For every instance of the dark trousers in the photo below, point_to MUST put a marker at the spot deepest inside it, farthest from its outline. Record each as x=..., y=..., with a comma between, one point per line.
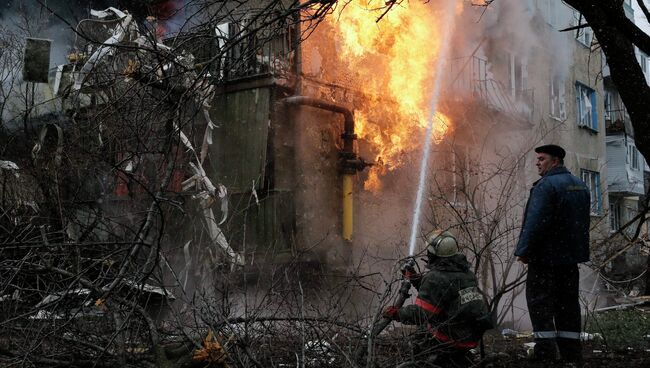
x=554, y=308
x=427, y=349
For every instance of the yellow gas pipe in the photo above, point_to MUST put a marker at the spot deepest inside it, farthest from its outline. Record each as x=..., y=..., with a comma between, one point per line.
x=350, y=162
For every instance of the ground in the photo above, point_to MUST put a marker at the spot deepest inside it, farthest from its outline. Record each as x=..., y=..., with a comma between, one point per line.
x=511, y=352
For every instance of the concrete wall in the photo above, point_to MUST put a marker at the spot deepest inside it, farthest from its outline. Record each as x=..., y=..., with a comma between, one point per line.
x=622, y=178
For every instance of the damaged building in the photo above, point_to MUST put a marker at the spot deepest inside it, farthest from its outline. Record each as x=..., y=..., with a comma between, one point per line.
x=265, y=156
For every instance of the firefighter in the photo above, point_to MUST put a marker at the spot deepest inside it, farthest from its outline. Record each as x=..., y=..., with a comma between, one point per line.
x=450, y=310
x=554, y=239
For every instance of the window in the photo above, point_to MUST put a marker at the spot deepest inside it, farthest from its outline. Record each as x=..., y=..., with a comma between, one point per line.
x=592, y=179
x=455, y=174
x=628, y=4
x=242, y=54
x=643, y=62
x=517, y=74
x=607, y=104
x=583, y=35
x=586, y=107
x=551, y=12
x=632, y=156
x=556, y=97
x=614, y=216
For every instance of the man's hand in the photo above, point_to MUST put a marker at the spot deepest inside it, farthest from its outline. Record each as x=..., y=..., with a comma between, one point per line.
x=392, y=313
x=523, y=260
x=408, y=269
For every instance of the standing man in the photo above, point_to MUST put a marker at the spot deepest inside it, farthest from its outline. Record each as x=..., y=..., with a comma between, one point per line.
x=554, y=239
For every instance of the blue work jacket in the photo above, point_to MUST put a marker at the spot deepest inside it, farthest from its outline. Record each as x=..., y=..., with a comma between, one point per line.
x=555, y=229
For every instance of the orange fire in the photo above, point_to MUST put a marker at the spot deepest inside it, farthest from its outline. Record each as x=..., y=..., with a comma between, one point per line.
x=393, y=64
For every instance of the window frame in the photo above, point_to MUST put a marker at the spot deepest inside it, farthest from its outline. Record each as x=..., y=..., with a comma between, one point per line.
x=592, y=119
x=584, y=35
x=614, y=216
x=456, y=175
x=590, y=178
x=607, y=105
x=632, y=157
x=557, y=93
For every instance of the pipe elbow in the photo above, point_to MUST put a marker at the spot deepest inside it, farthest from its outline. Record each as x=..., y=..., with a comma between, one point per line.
x=324, y=105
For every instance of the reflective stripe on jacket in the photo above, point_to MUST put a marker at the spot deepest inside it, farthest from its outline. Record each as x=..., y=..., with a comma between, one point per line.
x=449, y=301
x=440, y=336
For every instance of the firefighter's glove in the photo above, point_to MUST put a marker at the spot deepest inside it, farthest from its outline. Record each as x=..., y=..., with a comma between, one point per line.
x=391, y=313
x=408, y=269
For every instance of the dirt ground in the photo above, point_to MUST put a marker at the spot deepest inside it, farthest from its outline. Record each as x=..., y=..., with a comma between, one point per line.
x=511, y=352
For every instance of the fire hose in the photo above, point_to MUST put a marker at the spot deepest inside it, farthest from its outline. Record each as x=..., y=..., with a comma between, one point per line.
x=380, y=325
x=399, y=302
x=408, y=272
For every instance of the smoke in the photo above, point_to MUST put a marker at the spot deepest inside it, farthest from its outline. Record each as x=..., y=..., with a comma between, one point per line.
x=525, y=29
x=21, y=20
x=508, y=27
x=56, y=20
x=520, y=50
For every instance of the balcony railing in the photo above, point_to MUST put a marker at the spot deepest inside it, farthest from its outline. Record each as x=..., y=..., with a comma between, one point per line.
x=617, y=115
x=470, y=75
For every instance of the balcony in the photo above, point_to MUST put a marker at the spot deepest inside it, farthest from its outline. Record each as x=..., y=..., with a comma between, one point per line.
x=470, y=76
x=624, y=166
x=618, y=121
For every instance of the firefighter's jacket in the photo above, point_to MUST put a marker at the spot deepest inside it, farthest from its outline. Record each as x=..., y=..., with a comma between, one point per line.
x=555, y=229
x=449, y=303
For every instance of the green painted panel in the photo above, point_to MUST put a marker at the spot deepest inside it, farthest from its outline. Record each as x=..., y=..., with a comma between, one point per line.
x=269, y=225
x=238, y=152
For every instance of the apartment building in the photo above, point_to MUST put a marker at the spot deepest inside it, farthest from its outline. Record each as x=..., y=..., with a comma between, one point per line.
x=575, y=109
x=625, y=163
x=554, y=81
x=627, y=173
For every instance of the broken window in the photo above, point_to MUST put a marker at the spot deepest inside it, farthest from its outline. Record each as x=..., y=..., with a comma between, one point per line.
x=461, y=174
x=242, y=53
x=586, y=107
x=557, y=98
x=455, y=174
x=607, y=104
x=632, y=156
x=614, y=216
x=517, y=75
x=583, y=35
x=592, y=179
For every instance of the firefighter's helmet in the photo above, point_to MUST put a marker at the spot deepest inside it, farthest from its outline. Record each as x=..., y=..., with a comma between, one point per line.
x=442, y=244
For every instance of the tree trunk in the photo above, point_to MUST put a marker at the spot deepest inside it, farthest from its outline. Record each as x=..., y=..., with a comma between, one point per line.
x=607, y=19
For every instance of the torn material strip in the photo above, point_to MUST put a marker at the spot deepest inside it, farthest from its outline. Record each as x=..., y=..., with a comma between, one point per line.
x=107, y=48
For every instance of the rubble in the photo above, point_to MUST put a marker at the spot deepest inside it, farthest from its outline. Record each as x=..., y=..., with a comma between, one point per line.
x=509, y=333
x=15, y=296
x=621, y=306
x=8, y=165
x=54, y=297
x=182, y=69
x=147, y=288
x=585, y=336
x=119, y=34
x=319, y=353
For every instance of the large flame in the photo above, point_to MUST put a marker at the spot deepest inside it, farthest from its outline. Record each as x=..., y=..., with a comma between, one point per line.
x=393, y=63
